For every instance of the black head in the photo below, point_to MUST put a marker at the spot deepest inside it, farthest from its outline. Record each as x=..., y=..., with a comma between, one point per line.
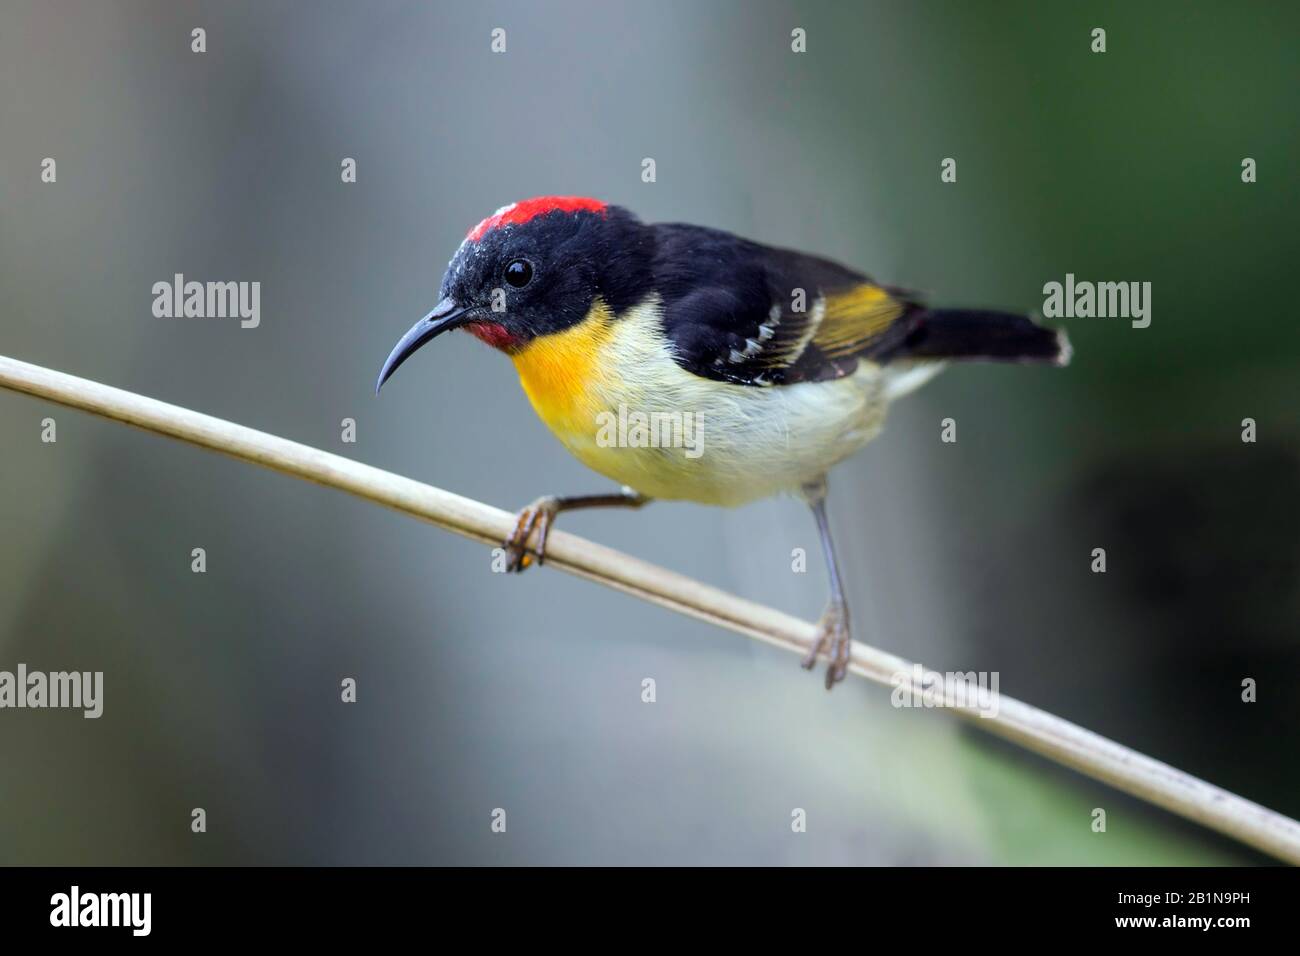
x=535, y=268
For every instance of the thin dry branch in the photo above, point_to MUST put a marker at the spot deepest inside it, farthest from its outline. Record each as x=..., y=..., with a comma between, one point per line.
x=1034, y=729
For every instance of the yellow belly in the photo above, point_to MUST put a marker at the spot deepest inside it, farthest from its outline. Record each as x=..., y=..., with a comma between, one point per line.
x=746, y=443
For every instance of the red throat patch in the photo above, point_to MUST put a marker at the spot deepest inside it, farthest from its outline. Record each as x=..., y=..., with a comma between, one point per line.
x=493, y=334
x=520, y=212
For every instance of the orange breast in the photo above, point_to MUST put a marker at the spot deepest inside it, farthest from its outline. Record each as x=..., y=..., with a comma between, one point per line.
x=562, y=373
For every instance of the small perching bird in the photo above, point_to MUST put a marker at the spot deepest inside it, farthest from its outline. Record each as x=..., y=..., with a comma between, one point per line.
x=780, y=363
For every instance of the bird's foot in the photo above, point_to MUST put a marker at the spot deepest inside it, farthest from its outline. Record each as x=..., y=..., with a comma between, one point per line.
x=538, y=516
x=834, y=638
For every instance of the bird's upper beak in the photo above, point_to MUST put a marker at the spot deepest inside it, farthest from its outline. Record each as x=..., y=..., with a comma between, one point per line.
x=447, y=314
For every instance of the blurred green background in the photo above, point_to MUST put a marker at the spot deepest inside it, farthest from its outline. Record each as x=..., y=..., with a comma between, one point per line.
x=478, y=691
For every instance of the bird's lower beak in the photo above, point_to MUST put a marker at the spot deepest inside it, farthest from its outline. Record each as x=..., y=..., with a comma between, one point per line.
x=447, y=314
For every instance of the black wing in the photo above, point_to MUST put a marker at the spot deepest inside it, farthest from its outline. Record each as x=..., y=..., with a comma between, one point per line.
x=741, y=312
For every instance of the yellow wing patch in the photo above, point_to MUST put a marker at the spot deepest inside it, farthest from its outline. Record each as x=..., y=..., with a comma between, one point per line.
x=854, y=318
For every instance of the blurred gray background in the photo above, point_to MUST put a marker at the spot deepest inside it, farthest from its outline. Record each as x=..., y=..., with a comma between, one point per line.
x=479, y=691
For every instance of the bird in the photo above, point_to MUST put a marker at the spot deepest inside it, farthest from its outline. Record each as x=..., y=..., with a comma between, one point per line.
x=779, y=363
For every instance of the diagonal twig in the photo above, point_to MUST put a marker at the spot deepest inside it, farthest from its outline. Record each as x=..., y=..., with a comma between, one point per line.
x=1032, y=728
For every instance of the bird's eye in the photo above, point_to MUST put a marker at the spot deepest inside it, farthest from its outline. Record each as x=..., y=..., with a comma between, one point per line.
x=519, y=272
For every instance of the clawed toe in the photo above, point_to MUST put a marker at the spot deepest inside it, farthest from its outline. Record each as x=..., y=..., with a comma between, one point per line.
x=538, y=517
x=835, y=638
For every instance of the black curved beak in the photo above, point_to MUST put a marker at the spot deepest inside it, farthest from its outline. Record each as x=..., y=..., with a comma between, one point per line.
x=447, y=314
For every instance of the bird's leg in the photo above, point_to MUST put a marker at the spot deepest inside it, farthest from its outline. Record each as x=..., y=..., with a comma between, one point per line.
x=540, y=515
x=834, y=634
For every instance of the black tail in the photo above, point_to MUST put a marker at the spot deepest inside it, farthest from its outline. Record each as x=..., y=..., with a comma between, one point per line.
x=972, y=334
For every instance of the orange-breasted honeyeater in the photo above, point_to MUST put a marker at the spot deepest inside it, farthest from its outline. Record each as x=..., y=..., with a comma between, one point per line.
x=787, y=361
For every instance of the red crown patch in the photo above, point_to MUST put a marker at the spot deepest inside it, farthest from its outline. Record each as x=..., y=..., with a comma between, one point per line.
x=521, y=212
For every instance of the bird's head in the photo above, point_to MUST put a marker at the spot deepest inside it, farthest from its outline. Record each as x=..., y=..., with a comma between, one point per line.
x=534, y=268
